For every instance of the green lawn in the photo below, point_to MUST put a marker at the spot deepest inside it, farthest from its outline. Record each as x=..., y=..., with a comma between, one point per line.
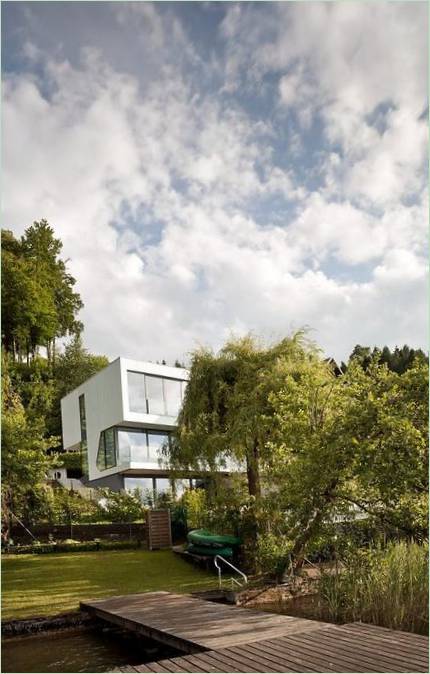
x=35, y=585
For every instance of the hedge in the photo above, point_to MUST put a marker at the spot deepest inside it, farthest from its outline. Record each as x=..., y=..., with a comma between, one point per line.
x=87, y=546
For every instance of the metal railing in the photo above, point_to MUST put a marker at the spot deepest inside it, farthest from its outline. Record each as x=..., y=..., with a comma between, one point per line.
x=233, y=580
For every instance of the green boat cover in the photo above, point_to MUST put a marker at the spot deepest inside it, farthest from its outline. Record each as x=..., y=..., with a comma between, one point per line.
x=206, y=538
x=206, y=551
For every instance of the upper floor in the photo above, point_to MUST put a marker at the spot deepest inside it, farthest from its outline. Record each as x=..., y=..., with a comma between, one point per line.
x=121, y=413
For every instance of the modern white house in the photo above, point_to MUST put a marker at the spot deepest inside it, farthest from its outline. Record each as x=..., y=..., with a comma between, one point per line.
x=120, y=419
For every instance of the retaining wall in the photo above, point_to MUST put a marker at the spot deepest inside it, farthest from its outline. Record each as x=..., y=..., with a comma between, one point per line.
x=80, y=532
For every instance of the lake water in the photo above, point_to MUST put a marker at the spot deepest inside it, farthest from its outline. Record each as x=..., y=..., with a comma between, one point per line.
x=89, y=650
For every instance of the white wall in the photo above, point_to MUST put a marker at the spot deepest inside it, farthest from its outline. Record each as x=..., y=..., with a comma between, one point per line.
x=103, y=408
x=106, y=405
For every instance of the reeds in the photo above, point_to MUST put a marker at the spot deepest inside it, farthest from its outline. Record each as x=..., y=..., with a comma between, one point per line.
x=387, y=587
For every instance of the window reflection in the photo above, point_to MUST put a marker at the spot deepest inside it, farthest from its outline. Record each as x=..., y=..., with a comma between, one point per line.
x=154, y=395
x=172, y=393
x=148, y=394
x=132, y=446
x=136, y=392
x=156, y=441
x=162, y=486
x=143, y=484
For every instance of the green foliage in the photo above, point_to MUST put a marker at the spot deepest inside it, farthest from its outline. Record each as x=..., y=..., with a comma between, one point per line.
x=69, y=370
x=69, y=460
x=387, y=587
x=398, y=360
x=227, y=417
x=271, y=552
x=122, y=506
x=68, y=507
x=338, y=440
x=38, y=301
x=24, y=458
x=196, y=508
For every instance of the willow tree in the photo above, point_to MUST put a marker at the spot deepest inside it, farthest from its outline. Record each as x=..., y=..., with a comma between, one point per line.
x=227, y=415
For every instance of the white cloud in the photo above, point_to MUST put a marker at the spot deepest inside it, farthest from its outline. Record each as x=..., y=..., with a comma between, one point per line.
x=189, y=261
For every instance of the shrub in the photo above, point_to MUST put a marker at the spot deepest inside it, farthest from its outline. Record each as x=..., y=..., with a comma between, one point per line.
x=271, y=552
x=387, y=587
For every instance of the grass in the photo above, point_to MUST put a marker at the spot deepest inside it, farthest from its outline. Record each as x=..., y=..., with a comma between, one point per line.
x=34, y=585
x=386, y=587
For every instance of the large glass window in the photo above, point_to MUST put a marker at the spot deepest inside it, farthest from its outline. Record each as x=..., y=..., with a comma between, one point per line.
x=145, y=485
x=132, y=446
x=156, y=441
x=106, y=455
x=162, y=486
x=83, y=444
x=173, y=397
x=136, y=392
x=154, y=395
x=148, y=394
x=82, y=418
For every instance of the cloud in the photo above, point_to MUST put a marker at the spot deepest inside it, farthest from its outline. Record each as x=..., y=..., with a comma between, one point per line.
x=181, y=211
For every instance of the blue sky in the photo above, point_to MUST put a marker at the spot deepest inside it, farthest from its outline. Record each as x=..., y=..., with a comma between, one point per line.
x=218, y=168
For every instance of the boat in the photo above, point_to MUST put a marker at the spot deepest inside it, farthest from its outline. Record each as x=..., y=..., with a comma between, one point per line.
x=206, y=551
x=204, y=538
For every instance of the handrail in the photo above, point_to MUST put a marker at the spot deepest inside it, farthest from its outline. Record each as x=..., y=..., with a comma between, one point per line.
x=233, y=580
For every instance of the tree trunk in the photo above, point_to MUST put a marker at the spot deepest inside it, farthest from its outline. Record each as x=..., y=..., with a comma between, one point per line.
x=253, y=471
x=6, y=515
x=304, y=532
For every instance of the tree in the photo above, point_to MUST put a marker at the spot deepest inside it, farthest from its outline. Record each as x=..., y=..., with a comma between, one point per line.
x=24, y=458
x=398, y=360
x=227, y=415
x=39, y=304
x=71, y=369
x=356, y=440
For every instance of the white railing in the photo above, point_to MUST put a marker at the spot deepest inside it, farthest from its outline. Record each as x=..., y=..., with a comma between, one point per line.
x=233, y=580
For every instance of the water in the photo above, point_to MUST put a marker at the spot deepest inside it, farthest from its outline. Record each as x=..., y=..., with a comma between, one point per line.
x=94, y=650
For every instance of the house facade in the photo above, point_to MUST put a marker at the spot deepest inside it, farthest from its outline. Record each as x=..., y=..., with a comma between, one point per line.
x=120, y=419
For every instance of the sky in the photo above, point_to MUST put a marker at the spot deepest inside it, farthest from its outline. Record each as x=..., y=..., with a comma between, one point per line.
x=219, y=168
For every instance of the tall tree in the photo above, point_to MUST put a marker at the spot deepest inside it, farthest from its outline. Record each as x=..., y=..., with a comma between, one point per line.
x=399, y=360
x=24, y=458
x=227, y=415
x=39, y=304
x=71, y=368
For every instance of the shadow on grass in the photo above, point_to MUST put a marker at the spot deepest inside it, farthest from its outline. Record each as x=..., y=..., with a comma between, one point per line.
x=43, y=585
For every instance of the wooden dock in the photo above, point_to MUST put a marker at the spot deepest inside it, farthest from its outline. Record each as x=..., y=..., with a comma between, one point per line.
x=192, y=625
x=222, y=638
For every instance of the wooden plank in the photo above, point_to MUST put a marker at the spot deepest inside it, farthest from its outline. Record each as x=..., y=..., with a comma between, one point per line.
x=336, y=655
x=389, y=648
x=368, y=650
x=204, y=665
x=283, y=659
x=186, y=666
x=191, y=624
x=245, y=658
x=400, y=635
x=223, y=638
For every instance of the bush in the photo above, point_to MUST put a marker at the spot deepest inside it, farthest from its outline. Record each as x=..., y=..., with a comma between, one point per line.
x=387, y=587
x=271, y=552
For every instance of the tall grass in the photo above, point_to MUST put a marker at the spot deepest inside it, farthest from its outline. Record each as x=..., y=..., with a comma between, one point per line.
x=387, y=587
